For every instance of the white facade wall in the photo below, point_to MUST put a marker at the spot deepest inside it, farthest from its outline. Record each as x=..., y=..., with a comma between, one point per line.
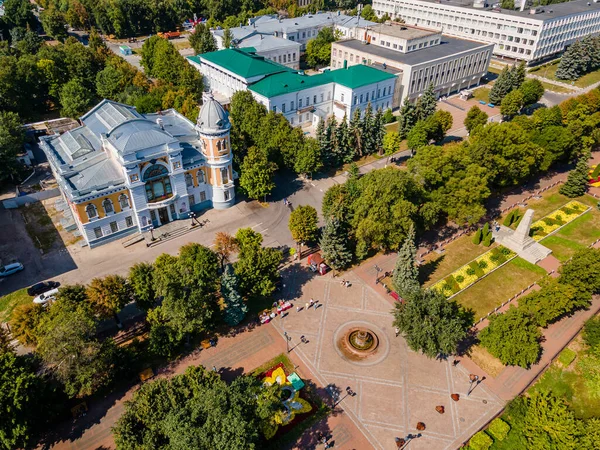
x=119, y=220
x=286, y=56
x=520, y=37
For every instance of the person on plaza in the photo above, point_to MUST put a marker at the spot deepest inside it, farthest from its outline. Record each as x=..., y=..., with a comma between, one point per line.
x=298, y=308
x=397, y=330
x=312, y=302
x=306, y=307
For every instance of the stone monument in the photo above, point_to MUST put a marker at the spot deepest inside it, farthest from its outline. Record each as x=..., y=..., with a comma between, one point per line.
x=520, y=242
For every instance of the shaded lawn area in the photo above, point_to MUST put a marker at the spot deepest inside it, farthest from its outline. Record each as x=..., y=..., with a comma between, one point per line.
x=457, y=254
x=9, y=302
x=501, y=284
x=486, y=361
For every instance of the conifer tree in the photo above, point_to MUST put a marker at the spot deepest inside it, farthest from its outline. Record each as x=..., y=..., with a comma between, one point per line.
x=334, y=245
x=235, y=308
x=573, y=63
x=367, y=125
x=378, y=131
x=355, y=133
x=577, y=182
x=406, y=273
x=502, y=86
x=517, y=75
x=345, y=149
x=407, y=118
x=320, y=131
x=426, y=104
x=328, y=150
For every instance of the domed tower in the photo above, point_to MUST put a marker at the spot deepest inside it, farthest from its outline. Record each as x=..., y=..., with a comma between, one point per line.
x=213, y=128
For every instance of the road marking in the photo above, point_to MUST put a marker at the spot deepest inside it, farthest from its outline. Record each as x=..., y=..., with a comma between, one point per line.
x=313, y=184
x=256, y=225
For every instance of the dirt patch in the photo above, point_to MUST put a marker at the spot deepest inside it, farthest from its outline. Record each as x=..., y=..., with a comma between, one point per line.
x=42, y=222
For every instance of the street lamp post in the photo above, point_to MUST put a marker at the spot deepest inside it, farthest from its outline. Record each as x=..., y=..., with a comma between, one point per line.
x=152, y=234
x=288, y=338
x=473, y=379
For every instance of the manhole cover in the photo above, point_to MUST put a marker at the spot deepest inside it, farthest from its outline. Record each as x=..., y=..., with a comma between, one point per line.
x=485, y=402
x=462, y=419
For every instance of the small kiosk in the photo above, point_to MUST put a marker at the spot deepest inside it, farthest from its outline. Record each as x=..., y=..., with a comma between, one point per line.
x=317, y=264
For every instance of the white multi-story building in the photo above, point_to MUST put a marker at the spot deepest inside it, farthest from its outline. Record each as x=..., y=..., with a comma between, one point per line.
x=530, y=34
x=123, y=172
x=299, y=29
x=419, y=57
x=302, y=99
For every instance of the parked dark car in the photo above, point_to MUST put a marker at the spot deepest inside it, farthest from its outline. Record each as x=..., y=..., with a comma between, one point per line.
x=40, y=288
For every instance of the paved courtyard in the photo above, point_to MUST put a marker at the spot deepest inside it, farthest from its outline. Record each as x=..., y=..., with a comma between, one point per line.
x=396, y=387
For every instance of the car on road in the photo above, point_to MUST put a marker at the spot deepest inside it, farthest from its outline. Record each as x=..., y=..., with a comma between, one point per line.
x=42, y=287
x=9, y=269
x=46, y=297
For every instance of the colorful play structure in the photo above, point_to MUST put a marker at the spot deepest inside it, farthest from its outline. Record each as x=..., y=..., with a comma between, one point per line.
x=594, y=175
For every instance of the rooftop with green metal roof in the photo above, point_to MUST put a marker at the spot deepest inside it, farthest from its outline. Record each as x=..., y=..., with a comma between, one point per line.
x=240, y=62
x=352, y=77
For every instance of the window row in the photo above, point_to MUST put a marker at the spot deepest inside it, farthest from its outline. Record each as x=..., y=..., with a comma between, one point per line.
x=189, y=180
x=107, y=206
x=316, y=98
x=114, y=227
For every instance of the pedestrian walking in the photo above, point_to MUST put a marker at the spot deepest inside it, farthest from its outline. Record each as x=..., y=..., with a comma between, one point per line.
x=297, y=308
x=306, y=306
x=214, y=368
x=397, y=330
x=312, y=302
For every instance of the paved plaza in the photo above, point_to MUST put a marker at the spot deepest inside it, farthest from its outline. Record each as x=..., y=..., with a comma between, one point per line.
x=396, y=388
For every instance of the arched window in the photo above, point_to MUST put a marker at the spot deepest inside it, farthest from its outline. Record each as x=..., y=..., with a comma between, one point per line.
x=158, y=184
x=108, y=206
x=155, y=171
x=200, y=176
x=123, y=201
x=219, y=145
x=189, y=181
x=91, y=211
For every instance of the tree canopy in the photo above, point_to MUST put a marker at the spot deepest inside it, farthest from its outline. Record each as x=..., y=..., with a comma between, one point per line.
x=318, y=50
x=303, y=224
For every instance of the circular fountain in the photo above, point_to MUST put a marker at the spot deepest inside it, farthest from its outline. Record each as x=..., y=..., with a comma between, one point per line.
x=358, y=343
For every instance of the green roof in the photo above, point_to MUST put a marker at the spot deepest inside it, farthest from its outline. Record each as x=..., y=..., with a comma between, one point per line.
x=241, y=63
x=285, y=82
x=194, y=59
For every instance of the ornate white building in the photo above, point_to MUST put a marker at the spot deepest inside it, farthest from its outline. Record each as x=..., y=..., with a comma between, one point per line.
x=123, y=172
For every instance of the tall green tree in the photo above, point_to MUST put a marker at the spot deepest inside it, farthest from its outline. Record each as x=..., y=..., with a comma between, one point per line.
x=318, y=50
x=227, y=38
x=345, y=150
x=407, y=119
x=75, y=99
x=512, y=103
x=475, y=118
x=532, y=91
x=54, y=24
x=109, y=295
x=502, y=86
x=334, y=245
x=406, y=272
x=427, y=103
x=391, y=143
x=12, y=139
x=235, y=308
x=141, y=280
x=578, y=179
x=257, y=174
x=430, y=323
x=512, y=337
x=308, y=160
x=202, y=40
x=303, y=224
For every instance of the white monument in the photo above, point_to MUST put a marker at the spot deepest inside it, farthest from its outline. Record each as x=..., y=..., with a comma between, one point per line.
x=520, y=242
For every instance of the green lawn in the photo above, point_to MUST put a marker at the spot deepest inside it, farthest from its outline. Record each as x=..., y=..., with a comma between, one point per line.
x=482, y=93
x=456, y=255
x=499, y=286
x=11, y=301
x=495, y=70
x=550, y=73
x=556, y=88
x=574, y=236
x=391, y=127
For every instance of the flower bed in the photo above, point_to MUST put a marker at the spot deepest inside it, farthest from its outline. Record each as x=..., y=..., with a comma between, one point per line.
x=471, y=272
x=557, y=219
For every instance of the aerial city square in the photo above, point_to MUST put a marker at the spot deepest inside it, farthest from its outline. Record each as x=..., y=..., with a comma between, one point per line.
x=300, y=224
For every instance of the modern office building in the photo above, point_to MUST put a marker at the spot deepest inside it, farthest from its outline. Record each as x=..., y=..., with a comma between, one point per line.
x=299, y=29
x=301, y=98
x=122, y=172
x=419, y=56
x=529, y=34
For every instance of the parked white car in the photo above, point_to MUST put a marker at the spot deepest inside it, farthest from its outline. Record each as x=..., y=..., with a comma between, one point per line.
x=9, y=269
x=46, y=297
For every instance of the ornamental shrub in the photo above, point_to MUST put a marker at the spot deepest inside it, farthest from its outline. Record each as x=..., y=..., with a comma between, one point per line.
x=459, y=278
x=518, y=221
x=482, y=264
x=480, y=441
x=471, y=271
x=477, y=237
x=548, y=221
x=559, y=219
x=487, y=240
x=450, y=284
x=505, y=251
x=495, y=258
x=568, y=211
x=508, y=221
x=499, y=429
x=567, y=356
x=486, y=230
x=476, y=269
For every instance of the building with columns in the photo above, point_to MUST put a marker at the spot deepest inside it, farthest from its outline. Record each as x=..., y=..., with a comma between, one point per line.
x=123, y=172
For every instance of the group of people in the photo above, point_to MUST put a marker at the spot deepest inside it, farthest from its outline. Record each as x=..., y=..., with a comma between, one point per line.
x=345, y=283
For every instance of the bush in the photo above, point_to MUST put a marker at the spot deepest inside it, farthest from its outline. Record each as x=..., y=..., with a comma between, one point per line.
x=486, y=229
x=498, y=255
x=471, y=271
x=548, y=221
x=460, y=279
x=568, y=211
x=508, y=221
x=477, y=237
x=476, y=269
x=451, y=285
x=499, y=429
x=495, y=258
x=518, y=221
x=559, y=219
x=505, y=251
x=482, y=264
x=480, y=441
x=591, y=332
x=567, y=356
x=487, y=240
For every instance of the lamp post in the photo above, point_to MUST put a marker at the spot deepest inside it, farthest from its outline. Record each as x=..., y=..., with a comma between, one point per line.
x=192, y=216
x=288, y=338
x=377, y=270
x=472, y=379
x=152, y=238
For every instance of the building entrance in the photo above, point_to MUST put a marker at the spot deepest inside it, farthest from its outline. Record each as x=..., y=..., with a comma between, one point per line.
x=163, y=215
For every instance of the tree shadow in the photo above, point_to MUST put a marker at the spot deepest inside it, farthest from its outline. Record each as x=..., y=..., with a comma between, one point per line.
x=294, y=277
x=228, y=373
x=427, y=269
